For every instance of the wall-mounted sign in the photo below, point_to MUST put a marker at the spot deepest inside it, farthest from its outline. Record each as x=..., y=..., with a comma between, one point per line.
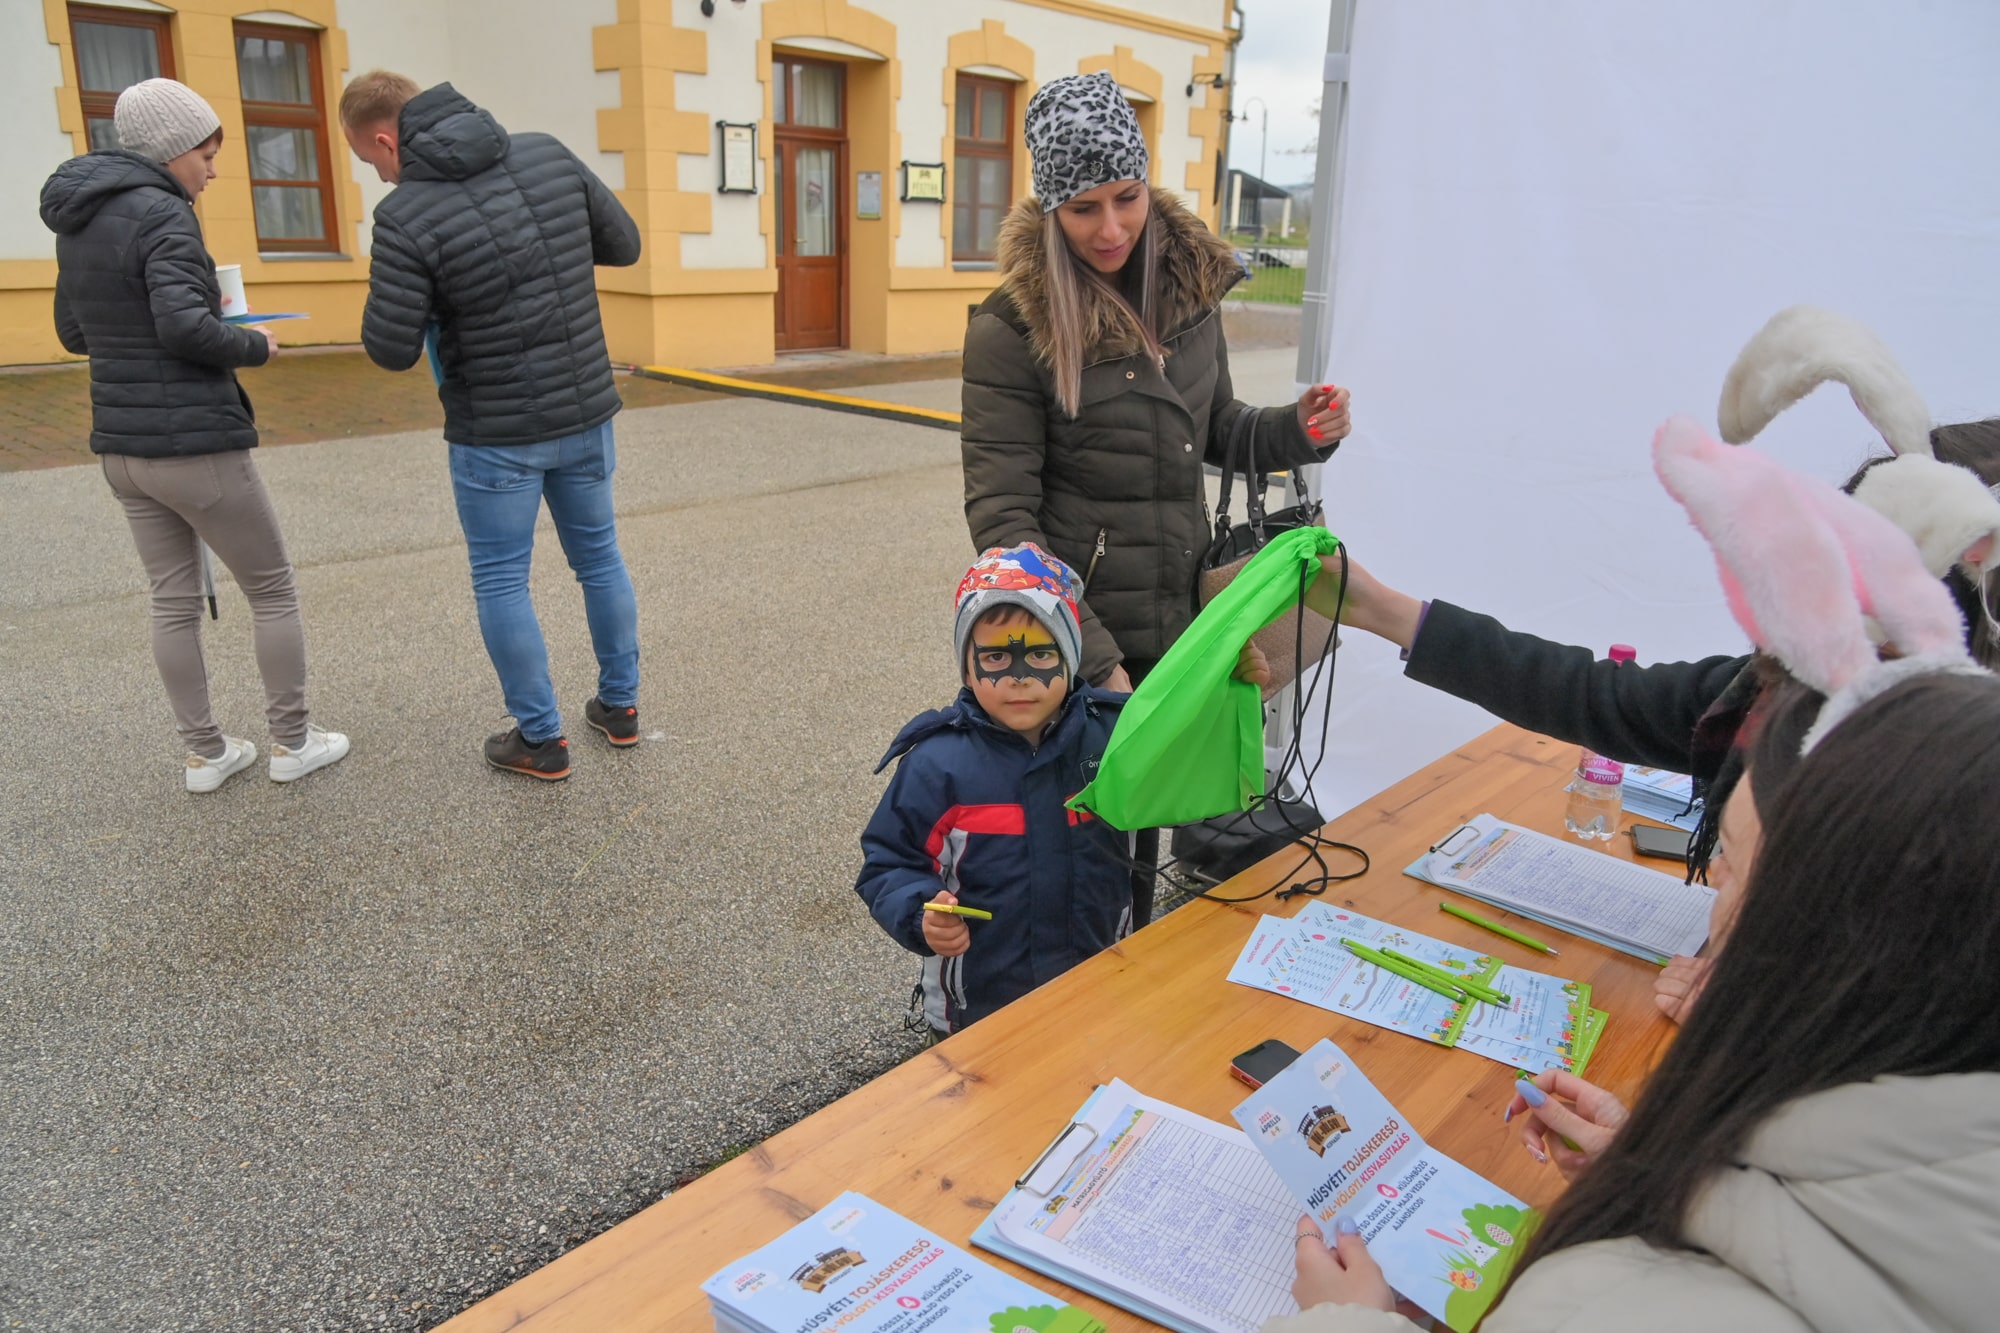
x=739, y=158
x=923, y=182
x=868, y=195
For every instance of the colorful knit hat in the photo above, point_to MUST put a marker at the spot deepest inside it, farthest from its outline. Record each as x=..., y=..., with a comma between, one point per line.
x=1030, y=578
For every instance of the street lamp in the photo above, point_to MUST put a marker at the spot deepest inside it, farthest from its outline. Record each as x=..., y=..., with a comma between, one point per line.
x=1263, y=153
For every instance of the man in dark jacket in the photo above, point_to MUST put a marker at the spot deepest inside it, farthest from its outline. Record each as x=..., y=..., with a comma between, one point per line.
x=485, y=251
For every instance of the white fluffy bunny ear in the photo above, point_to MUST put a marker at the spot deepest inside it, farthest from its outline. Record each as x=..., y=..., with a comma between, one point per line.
x=1946, y=509
x=1803, y=347
x=1803, y=565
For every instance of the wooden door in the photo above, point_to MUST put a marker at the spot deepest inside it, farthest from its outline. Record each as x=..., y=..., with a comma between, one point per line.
x=810, y=170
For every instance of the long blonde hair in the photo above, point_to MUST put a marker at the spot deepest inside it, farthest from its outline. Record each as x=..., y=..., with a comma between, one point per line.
x=1064, y=277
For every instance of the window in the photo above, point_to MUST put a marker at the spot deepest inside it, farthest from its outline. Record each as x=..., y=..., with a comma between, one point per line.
x=983, y=178
x=806, y=94
x=115, y=48
x=284, y=123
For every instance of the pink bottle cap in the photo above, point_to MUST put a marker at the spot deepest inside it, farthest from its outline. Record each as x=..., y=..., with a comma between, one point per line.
x=1624, y=652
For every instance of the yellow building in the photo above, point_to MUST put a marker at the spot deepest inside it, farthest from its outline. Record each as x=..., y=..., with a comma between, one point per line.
x=805, y=173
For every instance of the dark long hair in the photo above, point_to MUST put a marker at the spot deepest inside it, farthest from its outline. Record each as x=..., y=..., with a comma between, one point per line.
x=1877, y=872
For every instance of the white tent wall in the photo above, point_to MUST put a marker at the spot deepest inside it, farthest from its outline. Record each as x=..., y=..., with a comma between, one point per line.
x=1560, y=222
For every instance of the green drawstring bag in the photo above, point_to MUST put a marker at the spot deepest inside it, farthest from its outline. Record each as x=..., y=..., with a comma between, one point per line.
x=1189, y=744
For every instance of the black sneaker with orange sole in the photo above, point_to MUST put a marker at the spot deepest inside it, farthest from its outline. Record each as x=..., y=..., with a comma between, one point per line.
x=548, y=761
x=620, y=725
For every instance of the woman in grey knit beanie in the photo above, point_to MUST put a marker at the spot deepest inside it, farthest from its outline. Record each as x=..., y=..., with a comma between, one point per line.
x=136, y=292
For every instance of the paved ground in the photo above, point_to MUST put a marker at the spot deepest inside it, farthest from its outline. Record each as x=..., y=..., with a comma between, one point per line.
x=354, y=1052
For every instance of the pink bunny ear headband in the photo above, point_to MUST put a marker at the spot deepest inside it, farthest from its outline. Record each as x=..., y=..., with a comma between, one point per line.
x=1946, y=510
x=1803, y=566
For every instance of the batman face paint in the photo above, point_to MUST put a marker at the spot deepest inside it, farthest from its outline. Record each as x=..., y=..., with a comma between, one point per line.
x=1017, y=675
x=1014, y=653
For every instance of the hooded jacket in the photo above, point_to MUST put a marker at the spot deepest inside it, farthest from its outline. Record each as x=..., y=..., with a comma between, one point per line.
x=495, y=237
x=972, y=808
x=1116, y=492
x=1868, y=1208
x=136, y=293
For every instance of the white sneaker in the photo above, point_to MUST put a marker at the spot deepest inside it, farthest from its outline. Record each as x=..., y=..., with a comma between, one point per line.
x=321, y=747
x=208, y=774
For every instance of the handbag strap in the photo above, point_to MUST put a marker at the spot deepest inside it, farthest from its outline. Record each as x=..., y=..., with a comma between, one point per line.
x=1241, y=441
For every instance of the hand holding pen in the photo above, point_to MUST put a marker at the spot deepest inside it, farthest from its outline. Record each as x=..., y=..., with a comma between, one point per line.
x=1552, y=1130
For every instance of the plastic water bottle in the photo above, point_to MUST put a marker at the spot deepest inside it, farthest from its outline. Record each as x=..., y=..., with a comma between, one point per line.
x=1597, y=792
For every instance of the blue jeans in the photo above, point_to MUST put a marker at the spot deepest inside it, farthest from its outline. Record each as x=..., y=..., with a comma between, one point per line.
x=500, y=489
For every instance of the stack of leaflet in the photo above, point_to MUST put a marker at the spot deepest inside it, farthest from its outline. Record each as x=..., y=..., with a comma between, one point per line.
x=1585, y=891
x=857, y=1266
x=1547, y=1022
x=1658, y=794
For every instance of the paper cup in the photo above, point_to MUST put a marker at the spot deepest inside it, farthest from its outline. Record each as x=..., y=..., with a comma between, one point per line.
x=230, y=278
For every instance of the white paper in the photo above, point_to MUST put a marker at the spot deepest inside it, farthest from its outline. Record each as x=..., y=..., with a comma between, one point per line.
x=1176, y=1210
x=1518, y=868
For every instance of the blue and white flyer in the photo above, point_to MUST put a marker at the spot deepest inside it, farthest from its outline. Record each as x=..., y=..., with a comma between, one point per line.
x=1445, y=1237
x=861, y=1268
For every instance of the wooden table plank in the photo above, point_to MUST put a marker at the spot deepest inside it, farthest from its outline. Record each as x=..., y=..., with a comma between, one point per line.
x=942, y=1137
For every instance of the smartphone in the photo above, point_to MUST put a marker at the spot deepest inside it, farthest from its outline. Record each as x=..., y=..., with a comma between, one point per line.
x=1262, y=1062
x=1667, y=843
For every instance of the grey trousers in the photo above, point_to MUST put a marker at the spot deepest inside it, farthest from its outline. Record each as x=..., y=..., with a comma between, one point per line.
x=220, y=499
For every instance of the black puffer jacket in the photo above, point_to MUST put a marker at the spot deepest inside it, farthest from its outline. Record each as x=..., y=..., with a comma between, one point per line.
x=1117, y=492
x=494, y=237
x=136, y=293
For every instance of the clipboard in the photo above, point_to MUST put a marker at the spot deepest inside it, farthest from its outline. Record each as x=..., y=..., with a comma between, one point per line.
x=1048, y=1170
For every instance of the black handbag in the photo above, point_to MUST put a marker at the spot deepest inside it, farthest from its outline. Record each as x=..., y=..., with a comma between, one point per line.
x=1285, y=642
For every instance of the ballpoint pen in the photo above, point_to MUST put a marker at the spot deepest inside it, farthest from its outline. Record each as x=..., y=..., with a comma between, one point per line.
x=1503, y=932
x=1470, y=985
x=1414, y=975
x=957, y=910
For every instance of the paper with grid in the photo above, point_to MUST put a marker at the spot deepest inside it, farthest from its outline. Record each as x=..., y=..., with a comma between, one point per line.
x=1169, y=1214
x=1303, y=957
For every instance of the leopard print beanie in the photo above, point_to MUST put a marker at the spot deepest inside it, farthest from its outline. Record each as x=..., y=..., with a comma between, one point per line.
x=1082, y=134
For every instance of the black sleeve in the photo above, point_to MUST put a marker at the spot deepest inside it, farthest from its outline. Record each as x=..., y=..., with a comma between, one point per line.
x=400, y=299
x=177, y=269
x=614, y=236
x=1634, y=714
x=69, y=329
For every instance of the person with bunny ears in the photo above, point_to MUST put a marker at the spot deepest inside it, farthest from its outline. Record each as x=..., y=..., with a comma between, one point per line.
x=1687, y=716
x=1834, y=1173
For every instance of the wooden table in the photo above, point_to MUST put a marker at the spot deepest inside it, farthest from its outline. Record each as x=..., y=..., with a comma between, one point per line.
x=940, y=1138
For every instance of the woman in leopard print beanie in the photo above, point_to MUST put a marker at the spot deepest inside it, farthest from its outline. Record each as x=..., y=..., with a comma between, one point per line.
x=1097, y=380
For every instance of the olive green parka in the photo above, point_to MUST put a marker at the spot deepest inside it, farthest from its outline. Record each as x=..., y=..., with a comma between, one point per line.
x=1117, y=491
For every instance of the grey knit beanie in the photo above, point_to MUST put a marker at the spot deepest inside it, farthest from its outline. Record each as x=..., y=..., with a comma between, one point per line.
x=1081, y=134
x=161, y=119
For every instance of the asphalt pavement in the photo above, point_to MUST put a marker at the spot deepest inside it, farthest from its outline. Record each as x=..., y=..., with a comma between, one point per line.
x=353, y=1052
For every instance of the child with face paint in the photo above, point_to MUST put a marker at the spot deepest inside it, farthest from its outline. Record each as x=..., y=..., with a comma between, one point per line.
x=975, y=814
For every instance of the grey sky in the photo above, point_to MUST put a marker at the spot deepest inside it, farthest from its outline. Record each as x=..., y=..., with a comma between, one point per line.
x=1279, y=61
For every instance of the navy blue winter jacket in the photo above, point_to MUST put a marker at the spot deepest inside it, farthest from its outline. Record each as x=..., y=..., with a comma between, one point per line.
x=973, y=809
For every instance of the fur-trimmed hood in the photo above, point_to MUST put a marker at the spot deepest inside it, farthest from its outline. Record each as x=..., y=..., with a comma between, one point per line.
x=1197, y=269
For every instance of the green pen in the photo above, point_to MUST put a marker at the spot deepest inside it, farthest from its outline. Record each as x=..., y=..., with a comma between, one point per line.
x=1410, y=974
x=1503, y=932
x=1477, y=989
